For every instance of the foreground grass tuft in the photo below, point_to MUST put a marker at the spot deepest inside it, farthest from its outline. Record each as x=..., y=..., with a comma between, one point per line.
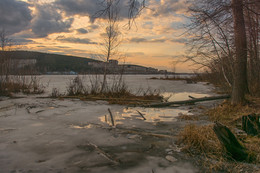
x=202, y=143
x=200, y=139
x=115, y=92
x=20, y=84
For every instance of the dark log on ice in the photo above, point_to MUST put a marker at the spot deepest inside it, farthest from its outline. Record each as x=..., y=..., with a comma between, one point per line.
x=230, y=142
x=251, y=124
x=188, y=101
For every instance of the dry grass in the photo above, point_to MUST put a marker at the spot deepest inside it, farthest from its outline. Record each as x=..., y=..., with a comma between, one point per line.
x=116, y=93
x=202, y=143
x=229, y=114
x=200, y=139
x=188, y=117
x=252, y=143
x=23, y=84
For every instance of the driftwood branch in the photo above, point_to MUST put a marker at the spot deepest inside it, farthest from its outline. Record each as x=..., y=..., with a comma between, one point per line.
x=188, y=101
x=141, y=115
x=104, y=154
x=146, y=133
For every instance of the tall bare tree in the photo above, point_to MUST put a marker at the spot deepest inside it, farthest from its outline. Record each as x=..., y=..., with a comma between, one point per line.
x=240, y=87
x=111, y=35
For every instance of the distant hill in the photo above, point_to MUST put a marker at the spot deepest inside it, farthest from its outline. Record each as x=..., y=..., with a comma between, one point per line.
x=47, y=62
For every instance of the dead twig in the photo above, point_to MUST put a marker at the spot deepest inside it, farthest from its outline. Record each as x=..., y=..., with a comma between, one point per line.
x=141, y=115
x=111, y=115
x=104, y=154
x=192, y=97
x=147, y=134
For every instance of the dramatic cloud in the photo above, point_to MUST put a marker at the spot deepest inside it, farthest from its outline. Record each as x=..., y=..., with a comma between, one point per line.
x=48, y=20
x=82, y=31
x=22, y=41
x=169, y=7
x=75, y=40
x=179, y=40
x=92, y=28
x=157, y=40
x=92, y=8
x=134, y=54
x=144, y=40
x=15, y=16
x=138, y=40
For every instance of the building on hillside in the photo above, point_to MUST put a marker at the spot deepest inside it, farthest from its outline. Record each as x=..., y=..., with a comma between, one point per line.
x=113, y=62
x=21, y=63
x=112, y=66
x=137, y=69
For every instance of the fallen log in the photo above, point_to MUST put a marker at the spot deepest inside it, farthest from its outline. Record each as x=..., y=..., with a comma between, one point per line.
x=188, y=101
x=251, y=124
x=230, y=142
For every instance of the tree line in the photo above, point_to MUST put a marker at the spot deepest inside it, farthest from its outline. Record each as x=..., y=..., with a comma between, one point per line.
x=225, y=40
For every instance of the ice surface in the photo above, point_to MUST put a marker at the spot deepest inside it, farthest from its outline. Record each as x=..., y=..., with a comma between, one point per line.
x=51, y=135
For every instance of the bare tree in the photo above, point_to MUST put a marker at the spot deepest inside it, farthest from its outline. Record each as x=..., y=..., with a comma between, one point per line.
x=111, y=35
x=252, y=23
x=4, y=40
x=211, y=45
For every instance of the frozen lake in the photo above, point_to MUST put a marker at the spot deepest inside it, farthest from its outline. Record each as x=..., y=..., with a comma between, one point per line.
x=176, y=90
x=170, y=89
x=41, y=135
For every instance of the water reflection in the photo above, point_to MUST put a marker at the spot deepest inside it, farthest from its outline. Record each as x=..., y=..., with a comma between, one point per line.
x=81, y=127
x=154, y=114
x=170, y=96
x=151, y=115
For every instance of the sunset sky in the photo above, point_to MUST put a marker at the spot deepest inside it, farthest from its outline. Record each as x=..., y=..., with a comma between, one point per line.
x=65, y=27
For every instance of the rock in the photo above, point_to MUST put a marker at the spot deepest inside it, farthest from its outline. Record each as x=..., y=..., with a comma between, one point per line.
x=132, y=136
x=175, y=148
x=170, y=158
x=169, y=151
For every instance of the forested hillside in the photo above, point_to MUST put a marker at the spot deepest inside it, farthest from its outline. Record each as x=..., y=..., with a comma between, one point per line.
x=52, y=62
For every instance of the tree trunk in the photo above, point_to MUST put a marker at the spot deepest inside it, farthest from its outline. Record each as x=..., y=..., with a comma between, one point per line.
x=251, y=124
x=240, y=87
x=230, y=142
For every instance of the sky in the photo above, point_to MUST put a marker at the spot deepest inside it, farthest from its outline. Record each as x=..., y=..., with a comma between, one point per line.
x=66, y=27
